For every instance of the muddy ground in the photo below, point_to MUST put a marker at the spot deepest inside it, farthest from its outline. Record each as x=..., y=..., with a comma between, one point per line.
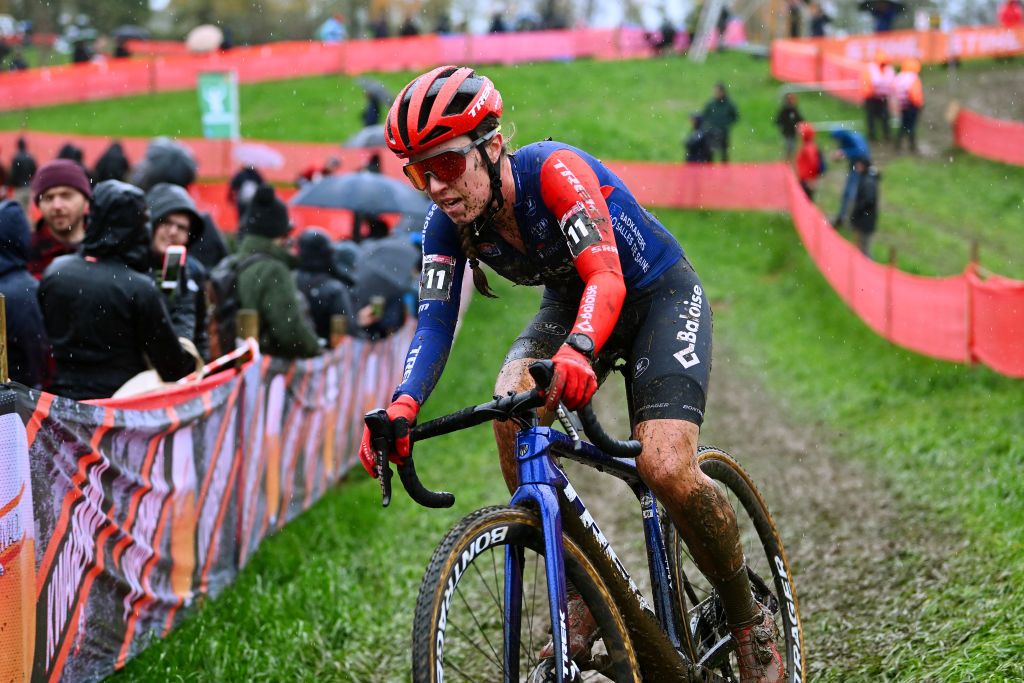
x=862, y=558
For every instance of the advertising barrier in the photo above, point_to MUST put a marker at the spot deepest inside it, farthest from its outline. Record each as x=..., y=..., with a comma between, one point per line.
x=994, y=139
x=117, y=514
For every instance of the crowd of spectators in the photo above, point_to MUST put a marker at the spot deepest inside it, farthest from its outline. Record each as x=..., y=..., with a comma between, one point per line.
x=93, y=299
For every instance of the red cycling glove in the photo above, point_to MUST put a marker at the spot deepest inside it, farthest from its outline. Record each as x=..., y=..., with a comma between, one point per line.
x=404, y=407
x=574, y=382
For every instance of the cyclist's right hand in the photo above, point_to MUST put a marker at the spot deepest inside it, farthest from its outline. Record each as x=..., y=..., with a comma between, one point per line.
x=402, y=412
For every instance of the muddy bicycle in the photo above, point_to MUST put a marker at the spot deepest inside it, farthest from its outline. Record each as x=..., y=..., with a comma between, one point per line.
x=494, y=592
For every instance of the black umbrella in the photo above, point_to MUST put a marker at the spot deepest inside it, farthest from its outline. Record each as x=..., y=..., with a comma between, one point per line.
x=363, y=192
x=376, y=89
x=385, y=269
x=127, y=31
x=371, y=136
x=881, y=5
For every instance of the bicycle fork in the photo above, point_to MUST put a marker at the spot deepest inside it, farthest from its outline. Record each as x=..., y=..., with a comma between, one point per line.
x=539, y=482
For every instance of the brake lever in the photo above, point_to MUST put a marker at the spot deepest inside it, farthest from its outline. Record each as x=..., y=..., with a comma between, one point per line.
x=378, y=422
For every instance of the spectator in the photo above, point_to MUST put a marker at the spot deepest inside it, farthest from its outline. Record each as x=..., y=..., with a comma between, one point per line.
x=71, y=152
x=27, y=346
x=409, y=27
x=884, y=13
x=121, y=50
x=373, y=164
x=112, y=165
x=786, y=120
x=81, y=53
x=443, y=25
x=267, y=286
x=864, y=215
x=697, y=144
x=1011, y=14
x=722, y=24
x=62, y=193
x=795, y=18
x=719, y=116
x=371, y=113
x=854, y=148
x=333, y=29
x=314, y=173
x=242, y=187
x=175, y=221
x=379, y=27
x=18, y=62
x=104, y=316
x=497, y=22
x=909, y=97
x=818, y=20
x=810, y=163
x=877, y=86
x=664, y=40
x=23, y=169
x=326, y=288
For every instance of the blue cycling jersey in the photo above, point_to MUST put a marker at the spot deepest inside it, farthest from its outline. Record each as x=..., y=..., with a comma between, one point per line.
x=646, y=250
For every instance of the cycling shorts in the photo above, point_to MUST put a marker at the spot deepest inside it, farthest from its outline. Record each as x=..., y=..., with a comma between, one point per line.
x=663, y=334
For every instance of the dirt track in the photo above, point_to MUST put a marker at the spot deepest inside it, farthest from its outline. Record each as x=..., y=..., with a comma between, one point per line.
x=862, y=559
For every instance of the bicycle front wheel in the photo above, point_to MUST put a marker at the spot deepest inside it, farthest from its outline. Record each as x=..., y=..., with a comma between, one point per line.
x=771, y=580
x=458, y=627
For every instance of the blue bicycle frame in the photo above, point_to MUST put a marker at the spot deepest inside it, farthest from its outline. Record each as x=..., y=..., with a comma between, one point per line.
x=540, y=481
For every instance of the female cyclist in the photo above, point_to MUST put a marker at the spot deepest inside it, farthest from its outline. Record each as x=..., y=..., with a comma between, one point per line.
x=616, y=285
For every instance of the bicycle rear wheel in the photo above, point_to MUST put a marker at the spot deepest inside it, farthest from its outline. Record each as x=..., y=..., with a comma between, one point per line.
x=770, y=577
x=457, y=630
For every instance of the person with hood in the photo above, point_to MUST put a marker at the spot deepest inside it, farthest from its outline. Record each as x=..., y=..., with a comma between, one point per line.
x=864, y=214
x=697, y=144
x=104, y=315
x=852, y=147
x=27, y=347
x=112, y=164
x=809, y=161
x=720, y=115
x=62, y=193
x=175, y=221
x=266, y=285
x=23, y=169
x=325, y=287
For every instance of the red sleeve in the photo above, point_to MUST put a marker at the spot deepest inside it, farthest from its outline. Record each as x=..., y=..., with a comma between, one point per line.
x=570, y=189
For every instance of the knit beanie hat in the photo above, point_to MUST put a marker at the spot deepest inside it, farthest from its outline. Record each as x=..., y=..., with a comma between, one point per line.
x=57, y=173
x=267, y=215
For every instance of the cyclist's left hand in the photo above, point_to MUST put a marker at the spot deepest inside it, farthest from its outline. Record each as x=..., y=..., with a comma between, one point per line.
x=574, y=382
x=404, y=409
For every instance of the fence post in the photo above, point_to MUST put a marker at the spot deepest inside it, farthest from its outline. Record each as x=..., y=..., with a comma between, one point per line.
x=3, y=339
x=247, y=326
x=339, y=328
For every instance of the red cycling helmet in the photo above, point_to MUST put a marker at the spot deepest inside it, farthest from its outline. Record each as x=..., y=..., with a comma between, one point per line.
x=442, y=104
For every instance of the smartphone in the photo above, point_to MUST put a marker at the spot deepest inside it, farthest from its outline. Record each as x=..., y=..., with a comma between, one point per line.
x=174, y=263
x=377, y=304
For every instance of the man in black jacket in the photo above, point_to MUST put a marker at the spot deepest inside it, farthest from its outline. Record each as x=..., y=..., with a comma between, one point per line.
x=319, y=280
x=103, y=314
x=720, y=116
x=23, y=168
x=27, y=347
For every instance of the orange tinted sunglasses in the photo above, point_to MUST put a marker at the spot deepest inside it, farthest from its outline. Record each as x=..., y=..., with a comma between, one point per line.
x=446, y=166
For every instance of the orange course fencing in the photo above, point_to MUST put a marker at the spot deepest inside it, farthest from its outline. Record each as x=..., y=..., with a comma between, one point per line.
x=116, y=515
x=994, y=139
x=165, y=68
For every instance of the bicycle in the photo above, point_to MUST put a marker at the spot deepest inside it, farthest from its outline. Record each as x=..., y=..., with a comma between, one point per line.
x=481, y=618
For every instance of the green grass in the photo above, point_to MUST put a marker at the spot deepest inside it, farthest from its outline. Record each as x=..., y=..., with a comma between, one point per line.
x=331, y=596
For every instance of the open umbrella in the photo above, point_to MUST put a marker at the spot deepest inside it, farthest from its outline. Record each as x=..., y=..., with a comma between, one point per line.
x=376, y=89
x=204, y=38
x=362, y=192
x=257, y=155
x=385, y=269
x=371, y=136
x=130, y=32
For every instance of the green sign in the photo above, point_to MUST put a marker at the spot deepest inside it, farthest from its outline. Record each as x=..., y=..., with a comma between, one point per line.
x=218, y=104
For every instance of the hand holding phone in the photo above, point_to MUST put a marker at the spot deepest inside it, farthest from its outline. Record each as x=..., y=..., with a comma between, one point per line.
x=174, y=264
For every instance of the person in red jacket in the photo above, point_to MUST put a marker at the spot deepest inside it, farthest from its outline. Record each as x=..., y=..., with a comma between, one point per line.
x=1011, y=14
x=809, y=160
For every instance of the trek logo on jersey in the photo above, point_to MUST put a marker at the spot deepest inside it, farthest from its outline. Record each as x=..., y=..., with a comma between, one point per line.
x=571, y=178
x=475, y=109
x=579, y=230
x=436, y=278
x=687, y=356
x=641, y=366
x=585, y=322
